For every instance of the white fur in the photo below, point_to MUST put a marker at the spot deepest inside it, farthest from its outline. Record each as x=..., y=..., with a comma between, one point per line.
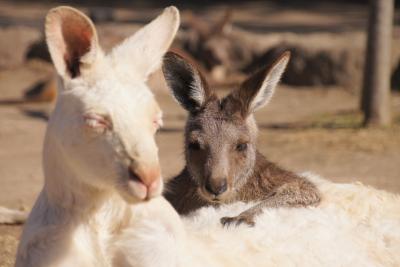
x=102, y=126
x=355, y=225
x=149, y=43
x=10, y=216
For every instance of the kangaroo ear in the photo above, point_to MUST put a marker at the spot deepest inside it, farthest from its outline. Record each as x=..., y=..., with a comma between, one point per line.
x=147, y=46
x=186, y=83
x=223, y=24
x=257, y=90
x=72, y=40
x=196, y=23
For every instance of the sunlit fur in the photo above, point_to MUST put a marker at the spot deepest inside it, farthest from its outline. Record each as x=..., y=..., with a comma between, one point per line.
x=355, y=225
x=99, y=142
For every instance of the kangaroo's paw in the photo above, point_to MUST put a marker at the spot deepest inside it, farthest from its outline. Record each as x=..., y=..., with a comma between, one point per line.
x=237, y=220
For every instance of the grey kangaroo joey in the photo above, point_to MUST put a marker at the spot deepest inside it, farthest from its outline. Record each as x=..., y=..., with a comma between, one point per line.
x=223, y=164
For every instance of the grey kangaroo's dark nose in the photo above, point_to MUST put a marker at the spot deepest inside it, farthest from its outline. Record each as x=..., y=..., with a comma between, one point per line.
x=216, y=186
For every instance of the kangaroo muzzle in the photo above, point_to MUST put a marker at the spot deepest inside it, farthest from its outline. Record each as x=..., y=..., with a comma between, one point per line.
x=146, y=181
x=216, y=186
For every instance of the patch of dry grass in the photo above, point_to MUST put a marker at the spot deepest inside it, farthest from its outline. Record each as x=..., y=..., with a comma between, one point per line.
x=8, y=244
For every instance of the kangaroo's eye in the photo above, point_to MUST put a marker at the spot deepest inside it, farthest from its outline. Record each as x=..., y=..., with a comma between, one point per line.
x=194, y=146
x=97, y=122
x=241, y=147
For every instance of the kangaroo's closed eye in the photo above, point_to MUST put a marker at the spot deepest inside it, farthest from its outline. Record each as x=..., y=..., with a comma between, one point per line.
x=98, y=123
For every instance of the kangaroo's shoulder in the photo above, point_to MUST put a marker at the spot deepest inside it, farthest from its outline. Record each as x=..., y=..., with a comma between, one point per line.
x=179, y=182
x=181, y=192
x=267, y=175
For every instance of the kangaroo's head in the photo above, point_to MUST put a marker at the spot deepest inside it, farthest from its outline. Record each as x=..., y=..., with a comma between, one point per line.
x=101, y=133
x=220, y=137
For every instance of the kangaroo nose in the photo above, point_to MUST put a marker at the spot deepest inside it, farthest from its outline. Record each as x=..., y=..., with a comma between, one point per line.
x=147, y=174
x=216, y=186
x=150, y=179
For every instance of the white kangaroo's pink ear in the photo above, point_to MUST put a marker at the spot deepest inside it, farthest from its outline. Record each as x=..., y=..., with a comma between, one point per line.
x=144, y=50
x=72, y=41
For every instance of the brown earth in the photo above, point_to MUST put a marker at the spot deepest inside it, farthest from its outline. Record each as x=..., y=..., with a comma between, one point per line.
x=302, y=129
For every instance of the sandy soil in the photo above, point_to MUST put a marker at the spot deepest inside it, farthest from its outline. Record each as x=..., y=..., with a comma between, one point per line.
x=302, y=129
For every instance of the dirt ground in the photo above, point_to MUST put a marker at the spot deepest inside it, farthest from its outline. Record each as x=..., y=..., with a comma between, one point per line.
x=303, y=129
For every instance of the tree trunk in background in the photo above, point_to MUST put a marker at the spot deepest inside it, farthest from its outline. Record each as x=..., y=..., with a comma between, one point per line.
x=375, y=101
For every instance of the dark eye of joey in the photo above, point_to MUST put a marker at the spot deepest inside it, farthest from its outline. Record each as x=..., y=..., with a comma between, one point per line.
x=194, y=146
x=241, y=147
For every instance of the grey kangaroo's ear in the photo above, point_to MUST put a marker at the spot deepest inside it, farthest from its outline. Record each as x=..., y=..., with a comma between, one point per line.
x=186, y=82
x=257, y=90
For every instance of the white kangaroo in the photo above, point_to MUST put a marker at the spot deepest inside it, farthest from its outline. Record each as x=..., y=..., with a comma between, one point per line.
x=100, y=155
